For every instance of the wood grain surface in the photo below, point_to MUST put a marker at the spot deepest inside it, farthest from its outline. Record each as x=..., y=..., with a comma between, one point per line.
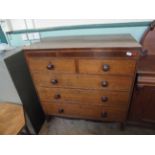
x=84, y=97
x=122, y=83
x=86, y=111
x=11, y=118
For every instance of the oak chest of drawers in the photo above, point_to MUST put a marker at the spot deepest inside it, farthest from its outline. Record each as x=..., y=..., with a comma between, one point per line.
x=88, y=77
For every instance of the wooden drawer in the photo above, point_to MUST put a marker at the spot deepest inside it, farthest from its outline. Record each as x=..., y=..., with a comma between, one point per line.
x=83, y=81
x=96, y=66
x=85, y=97
x=52, y=65
x=83, y=111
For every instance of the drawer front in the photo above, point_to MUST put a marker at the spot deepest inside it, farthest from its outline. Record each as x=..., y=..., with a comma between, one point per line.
x=52, y=65
x=83, y=81
x=87, y=112
x=119, y=67
x=84, y=97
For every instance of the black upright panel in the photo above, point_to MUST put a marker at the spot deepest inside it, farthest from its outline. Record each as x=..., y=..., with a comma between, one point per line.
x=19, y=72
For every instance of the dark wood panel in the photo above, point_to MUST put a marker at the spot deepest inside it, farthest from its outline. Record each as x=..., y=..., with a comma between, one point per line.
x=143, y=105
x=142, y=110
x=146, y=80
x=148, y=39
x=20, y=75
x=146, y=65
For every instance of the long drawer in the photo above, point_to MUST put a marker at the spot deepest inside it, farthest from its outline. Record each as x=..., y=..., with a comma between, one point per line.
x=103, y=66
x=84, y=97
x=52, y=65
x=87, y=112
x=83, y=81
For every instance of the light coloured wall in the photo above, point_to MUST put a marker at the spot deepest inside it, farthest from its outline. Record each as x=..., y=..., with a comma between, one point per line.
x=8, y=92
x=136, y=32
x=21, y=24
x=16, y=39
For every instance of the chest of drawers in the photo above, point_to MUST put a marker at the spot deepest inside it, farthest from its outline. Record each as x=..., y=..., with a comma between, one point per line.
x=88, y=77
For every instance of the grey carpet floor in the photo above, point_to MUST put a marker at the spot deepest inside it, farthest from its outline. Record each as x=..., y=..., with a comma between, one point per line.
x=65, y=126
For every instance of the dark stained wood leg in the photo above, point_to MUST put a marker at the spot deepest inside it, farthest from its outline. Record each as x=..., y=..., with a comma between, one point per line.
x=24, y=131
x=122, y=126
x=48, y=118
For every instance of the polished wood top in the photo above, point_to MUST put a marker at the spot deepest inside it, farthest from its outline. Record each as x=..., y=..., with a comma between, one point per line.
x=91, y=41
x=146, y=71
x=11, y=118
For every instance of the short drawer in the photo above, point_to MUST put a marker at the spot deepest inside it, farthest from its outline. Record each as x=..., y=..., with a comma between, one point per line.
x=52, y=65
x=86, y=112
x=83, y=81
x=96, y=66
x=84, y=97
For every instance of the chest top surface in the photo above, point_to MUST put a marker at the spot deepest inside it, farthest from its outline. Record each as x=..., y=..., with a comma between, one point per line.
x=95, y=41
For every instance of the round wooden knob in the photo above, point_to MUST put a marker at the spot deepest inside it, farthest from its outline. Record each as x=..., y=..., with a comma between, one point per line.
x=54, y=82
x=61, y=111
x=57, y=96
x=104, y=98
x=106, y=67
x=50, y=66
x=104, y=83
x=104, y=114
